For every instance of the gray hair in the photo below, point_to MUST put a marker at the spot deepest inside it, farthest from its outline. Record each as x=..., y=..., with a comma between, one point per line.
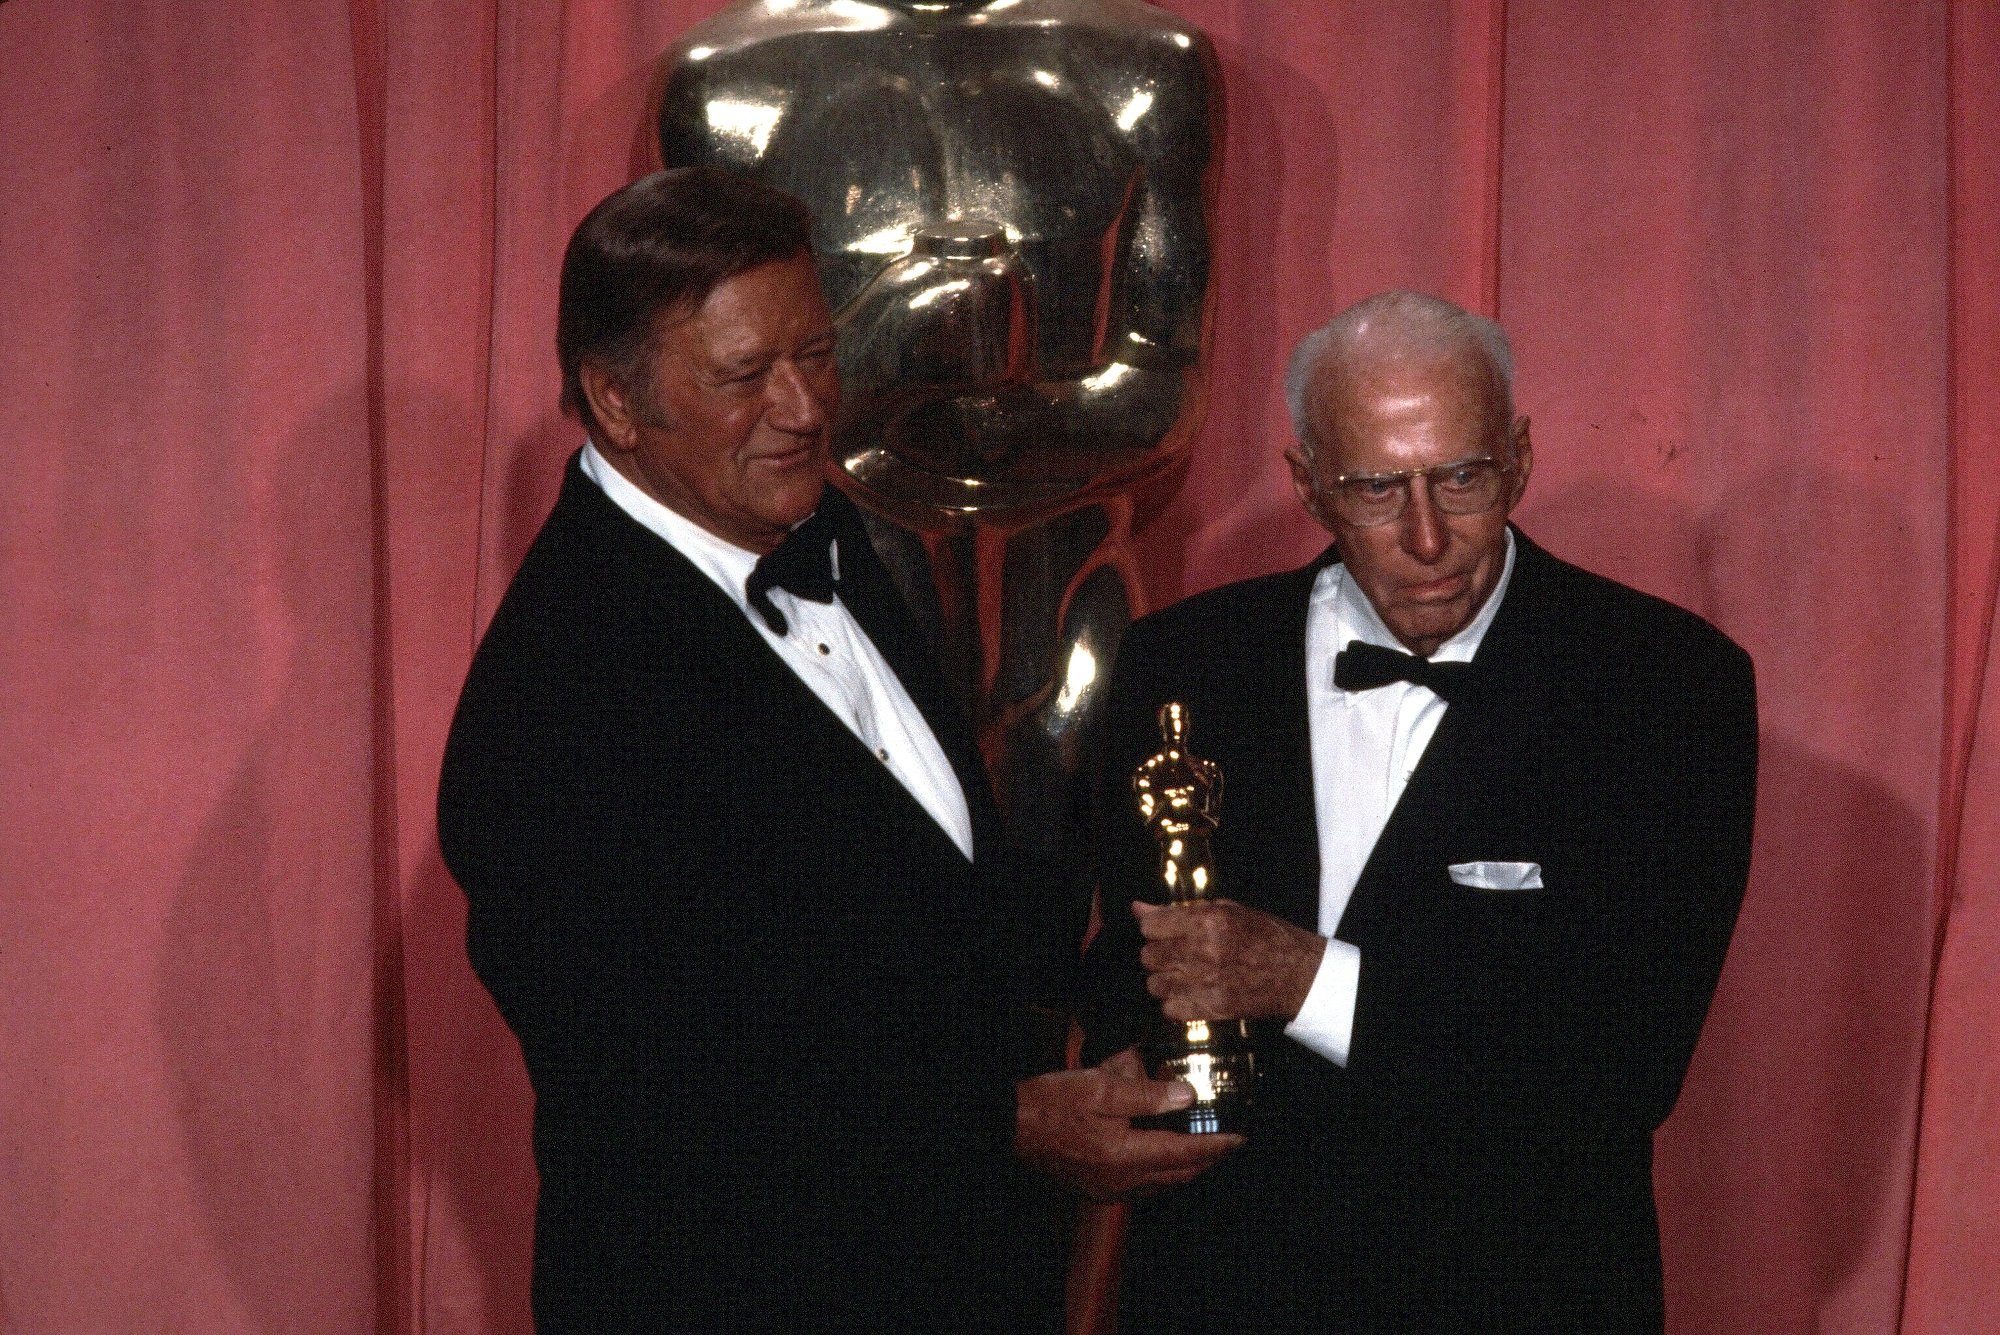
x=1403, y=323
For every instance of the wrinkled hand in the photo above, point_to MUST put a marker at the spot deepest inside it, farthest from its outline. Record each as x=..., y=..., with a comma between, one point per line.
x=1076, y=1126
x=1217, y=960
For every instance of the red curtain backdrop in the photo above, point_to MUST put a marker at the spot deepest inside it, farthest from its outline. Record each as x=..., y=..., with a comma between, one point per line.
x=277, y=406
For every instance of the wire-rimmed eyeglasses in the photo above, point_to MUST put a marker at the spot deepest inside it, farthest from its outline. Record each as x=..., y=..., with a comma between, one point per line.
x=1466, y=487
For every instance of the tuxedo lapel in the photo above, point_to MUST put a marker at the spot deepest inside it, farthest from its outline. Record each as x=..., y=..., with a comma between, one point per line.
x=1274, y=791
x=741, y=662
x=868, y=592
x=1457, y=764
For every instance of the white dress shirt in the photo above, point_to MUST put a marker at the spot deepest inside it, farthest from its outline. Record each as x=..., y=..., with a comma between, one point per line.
x=825, y=648
x=1365, y=746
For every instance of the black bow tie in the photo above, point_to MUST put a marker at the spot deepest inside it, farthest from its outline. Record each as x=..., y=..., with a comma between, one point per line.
x=802, y=564
x=1363, y=667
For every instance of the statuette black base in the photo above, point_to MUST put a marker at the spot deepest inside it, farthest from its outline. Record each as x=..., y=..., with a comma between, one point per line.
x=1214, y=1056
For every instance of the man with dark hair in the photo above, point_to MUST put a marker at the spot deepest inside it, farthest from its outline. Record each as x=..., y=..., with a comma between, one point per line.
x=623, y=266
x=716, y=821
x=1486, y=828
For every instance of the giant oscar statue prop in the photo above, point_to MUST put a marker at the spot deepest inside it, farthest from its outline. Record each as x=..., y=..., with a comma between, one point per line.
x=1013, y=203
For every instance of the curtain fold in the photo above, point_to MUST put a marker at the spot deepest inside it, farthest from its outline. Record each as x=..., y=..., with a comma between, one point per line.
x=1955, y=1225
x=188, y=758
x=277, y=285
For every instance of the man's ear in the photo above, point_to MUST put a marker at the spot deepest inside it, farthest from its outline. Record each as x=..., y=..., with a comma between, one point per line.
x=1524, y=459
x=1305, y=487
x=612, y=405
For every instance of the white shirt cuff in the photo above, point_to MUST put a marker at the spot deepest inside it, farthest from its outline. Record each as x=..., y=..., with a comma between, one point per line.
x=1325, y=1023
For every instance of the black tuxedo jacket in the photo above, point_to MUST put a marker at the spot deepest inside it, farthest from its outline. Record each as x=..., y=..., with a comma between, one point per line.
x=762, y=1002
x=1483, y=1162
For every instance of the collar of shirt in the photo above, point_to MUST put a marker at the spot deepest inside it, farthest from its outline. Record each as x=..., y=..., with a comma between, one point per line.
x=826, y=649
x=1355, y=618
x=1365, y=747
x=726, y=564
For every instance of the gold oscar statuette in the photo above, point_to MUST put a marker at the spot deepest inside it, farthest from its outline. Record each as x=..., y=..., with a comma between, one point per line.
x=1180, y=797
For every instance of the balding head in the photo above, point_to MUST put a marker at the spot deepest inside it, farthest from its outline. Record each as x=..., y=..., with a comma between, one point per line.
x=1408, y=329
x=1409, y=454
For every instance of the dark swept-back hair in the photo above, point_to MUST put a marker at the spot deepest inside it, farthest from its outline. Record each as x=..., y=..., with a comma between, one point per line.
x=655, y=249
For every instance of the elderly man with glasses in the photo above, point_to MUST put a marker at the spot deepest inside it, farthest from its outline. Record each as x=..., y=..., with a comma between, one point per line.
x=1486, y=832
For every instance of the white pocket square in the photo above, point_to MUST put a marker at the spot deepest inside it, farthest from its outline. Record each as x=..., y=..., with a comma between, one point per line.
x=1498, y=875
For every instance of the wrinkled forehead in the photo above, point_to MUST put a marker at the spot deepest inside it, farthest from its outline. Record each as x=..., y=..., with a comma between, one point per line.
x=1359, y=401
